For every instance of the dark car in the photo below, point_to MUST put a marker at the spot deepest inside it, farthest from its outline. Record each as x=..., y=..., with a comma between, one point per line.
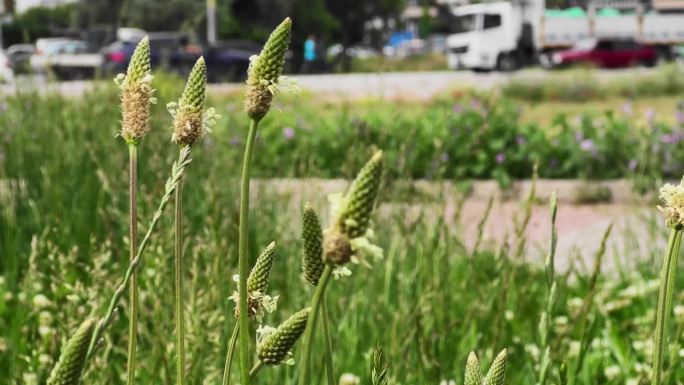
x=173, y=52
x=605, y=53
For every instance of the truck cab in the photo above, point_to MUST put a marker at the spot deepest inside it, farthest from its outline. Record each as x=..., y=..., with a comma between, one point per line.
x=485, y=36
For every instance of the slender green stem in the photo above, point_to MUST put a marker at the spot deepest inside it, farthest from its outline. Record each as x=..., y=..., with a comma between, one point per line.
x=171, y=184
x=329, y=368
x=255, y=369
x=667, y=283
x=180, y=318
x=243, y=263
x=229, y=355
x=133, y=247
x=304, y=374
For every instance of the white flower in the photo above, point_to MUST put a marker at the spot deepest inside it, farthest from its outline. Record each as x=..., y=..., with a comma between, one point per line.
x=349, y=379
x=508, y=315
x=40, y=301
x=341, y=272
x=44, y=359
x=574, y=348
x=611, y=372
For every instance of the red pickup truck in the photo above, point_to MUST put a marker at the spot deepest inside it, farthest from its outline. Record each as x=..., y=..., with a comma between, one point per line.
x=605, y=53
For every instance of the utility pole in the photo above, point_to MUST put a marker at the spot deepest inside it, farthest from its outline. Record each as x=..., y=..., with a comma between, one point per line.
x=211, y=21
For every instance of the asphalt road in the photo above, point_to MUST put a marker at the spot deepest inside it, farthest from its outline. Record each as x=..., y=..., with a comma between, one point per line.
x=389, y=85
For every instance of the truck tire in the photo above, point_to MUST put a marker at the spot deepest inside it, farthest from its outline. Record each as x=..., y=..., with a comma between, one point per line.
x=507, y=62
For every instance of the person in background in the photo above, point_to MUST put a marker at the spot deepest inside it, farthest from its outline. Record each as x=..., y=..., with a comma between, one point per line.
x=309, y=55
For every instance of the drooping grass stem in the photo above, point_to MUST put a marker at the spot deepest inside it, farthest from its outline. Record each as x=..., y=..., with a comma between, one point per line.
x=304, y=369
x=171, y=184
x=133, y=247
x=178, y=267
x=243, y=262
x=229, y=355
x=667, y=283
x=329, y=367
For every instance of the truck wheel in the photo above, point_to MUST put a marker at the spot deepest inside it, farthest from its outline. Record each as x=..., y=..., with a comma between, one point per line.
x=507, y=62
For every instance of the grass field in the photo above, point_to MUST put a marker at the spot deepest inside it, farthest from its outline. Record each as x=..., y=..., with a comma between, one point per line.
x=428, y=302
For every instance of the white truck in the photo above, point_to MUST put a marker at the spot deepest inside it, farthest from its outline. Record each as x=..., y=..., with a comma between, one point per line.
x=506, y=35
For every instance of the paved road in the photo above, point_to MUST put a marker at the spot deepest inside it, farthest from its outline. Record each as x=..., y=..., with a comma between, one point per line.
x=389, y=85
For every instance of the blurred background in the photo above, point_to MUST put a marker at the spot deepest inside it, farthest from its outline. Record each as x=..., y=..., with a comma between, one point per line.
x=76, y=39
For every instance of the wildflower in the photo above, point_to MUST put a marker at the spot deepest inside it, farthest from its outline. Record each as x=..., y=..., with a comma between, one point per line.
x=587, y=145
x=288, y=133
x=672, y=197
x=136, y=94
x=632, y=165
x=276, y=346
x=190, y=120
x=508, y=315
x=349, y=379
x=500, y=157
x=312, y=234
x=574, y=348
x=258, y=302
x=627, y=108
x=457, y=108
x=611, y=372
x=264, y=71
x=520, y=140
x=649, y=114
x=473, y=373
x=40, y=301
x=497, y=372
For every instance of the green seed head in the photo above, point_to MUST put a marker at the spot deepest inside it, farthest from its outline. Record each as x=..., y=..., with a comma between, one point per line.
x=136, y=94
x=312, y=234
x=139, y=66
x=265, y=70
x=497, y=372
x=261, y=272
x=188, y=121
x=473, y=373
x=379, y=368
x=358, y=203
x=275, y=347
x=72, y=361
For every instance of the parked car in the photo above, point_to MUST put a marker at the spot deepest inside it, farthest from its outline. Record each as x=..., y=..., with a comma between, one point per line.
x=20, y=56
x=6, y=72
x=173, y=52
x=605, y=53
x=66, y=58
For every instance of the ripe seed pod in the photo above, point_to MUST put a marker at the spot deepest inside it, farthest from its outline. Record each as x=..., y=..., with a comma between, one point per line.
x=69, y=368
x=136, y=94
x=473, y=373
x=265, y=70
x=312, y=234
x=188, y=124
x=497, y=372
x=275, y=347
x=358, y=203
x=261, y=272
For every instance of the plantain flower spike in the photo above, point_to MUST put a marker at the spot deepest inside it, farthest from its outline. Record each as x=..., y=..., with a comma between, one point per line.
x=312, y=234
x=257, y=300
x=261, y=272
x=359, y=201
x=351, y=230
x=190, y=120
x=673, y=204
x=264, y=71
x=276, y=346
x=497, y=372
x=473, y=373
x=69, y=368
x=136, y=94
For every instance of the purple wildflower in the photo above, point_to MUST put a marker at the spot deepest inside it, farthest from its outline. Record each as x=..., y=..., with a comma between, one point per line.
x=627, y=108
x=520, y=140
x=632, y=165
x=588, y=146
x=650, y=115
x=457, y=108
x=679, y=116
x=500, y=157
x=288, y=133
